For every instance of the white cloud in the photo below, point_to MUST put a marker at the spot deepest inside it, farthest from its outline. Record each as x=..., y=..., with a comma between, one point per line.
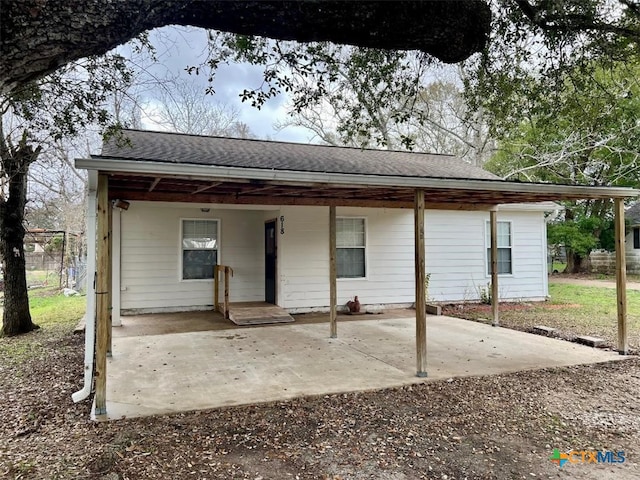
x=181, y=47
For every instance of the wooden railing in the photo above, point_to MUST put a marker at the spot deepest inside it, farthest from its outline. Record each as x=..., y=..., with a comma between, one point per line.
x=218, y=271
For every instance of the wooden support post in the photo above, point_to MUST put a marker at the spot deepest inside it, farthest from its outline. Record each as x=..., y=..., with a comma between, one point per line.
x=621, y=278
x=110, y=280
x=421, y=294
x=493, y=221
x=333, y=273
x=216, y=288
x=116, y=234
x=227, y=271
x=102, y=298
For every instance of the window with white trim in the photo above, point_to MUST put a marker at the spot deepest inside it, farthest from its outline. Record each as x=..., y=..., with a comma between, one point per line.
x=350, y=247
x=505, y=244
x=199, y=245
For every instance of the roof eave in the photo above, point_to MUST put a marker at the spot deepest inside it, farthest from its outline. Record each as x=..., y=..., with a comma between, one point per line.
x=300, y=177
x=533, y=207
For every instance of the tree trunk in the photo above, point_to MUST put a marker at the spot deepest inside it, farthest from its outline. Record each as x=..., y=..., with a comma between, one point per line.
x=16, y=318
x=577, y=263
x=36, y=36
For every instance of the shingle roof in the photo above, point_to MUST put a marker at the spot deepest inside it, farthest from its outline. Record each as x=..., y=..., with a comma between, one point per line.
x=231, y=152
x=633, y=214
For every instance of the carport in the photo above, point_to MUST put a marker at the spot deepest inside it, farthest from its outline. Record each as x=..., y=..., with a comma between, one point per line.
x=155, y=372
x=188, y=171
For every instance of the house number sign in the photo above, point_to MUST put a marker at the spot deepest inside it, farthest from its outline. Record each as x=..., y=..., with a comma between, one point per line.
x=281, y=224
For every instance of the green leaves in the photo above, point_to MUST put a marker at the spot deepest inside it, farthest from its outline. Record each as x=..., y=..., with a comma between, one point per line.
x=578, y=236
x=559, y=85
x=538, y=48
x=587, y=133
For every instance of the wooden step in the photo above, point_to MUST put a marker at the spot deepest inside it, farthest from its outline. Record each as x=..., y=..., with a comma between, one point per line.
x=246, y=314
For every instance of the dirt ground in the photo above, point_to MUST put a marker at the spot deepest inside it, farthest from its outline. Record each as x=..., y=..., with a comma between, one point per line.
x=591, y=281
x=493, y=427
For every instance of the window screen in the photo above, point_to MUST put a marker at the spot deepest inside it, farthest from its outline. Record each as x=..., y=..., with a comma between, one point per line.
x=350, y=247
x=504, y=248
x=199, y=248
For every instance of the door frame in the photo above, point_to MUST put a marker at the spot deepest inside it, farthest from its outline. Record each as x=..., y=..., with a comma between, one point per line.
x=274, y=221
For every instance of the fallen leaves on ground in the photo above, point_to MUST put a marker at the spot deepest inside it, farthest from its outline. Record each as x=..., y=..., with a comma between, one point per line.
x=501, y=426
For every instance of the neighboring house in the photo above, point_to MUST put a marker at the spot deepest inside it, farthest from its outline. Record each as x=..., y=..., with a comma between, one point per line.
x=632, y=217
x=604, y=262
x=164, y=251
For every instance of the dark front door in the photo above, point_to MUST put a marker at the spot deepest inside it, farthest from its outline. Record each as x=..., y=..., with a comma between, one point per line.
x=270, y=252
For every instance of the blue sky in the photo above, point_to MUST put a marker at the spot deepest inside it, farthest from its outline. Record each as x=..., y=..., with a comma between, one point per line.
x=180, y=47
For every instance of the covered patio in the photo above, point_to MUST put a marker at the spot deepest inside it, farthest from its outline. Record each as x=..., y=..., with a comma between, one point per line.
x=159, y=366
x=159, y=167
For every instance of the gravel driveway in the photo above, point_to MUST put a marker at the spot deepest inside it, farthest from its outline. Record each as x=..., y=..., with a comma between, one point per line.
x=590, y=282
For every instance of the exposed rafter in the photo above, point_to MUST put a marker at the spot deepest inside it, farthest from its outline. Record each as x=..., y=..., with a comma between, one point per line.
x=205, y=188
x=155, y=184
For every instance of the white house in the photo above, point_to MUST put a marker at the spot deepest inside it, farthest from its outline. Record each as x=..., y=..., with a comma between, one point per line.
x=375, y=255
x=164, y=251
x=306, y=227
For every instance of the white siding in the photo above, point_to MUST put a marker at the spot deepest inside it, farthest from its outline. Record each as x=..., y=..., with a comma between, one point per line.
x=304, y=256
x=151, y=256
x=455, y=256
x=632, y=255
x=455, y=253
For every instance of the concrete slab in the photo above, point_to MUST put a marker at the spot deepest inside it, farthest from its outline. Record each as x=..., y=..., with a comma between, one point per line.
x=157, y=374
x=543, y=330
x=590, y=341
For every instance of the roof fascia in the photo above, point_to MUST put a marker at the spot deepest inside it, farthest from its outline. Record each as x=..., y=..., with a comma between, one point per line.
x=531, y=207
x=92, y=180
x=296, y=177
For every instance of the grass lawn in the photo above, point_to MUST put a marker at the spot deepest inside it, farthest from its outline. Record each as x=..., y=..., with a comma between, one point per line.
x=43, y=277
x=56, y=315
x=57, y=310
x=573, y=310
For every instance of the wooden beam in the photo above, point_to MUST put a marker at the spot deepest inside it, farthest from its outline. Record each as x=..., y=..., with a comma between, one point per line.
x=321, y=190
x=155, y=183
x=110, y=281
x=102, y=299
x=621, y=278
x=206, y=187
x=333, y=274
x=233, y=199
x=227, y=272
x=461, y=195
x=116, y=252
x=216, y=287
x=254, y=190
x=341, y=192
x=493, y=221
x=421, y=294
